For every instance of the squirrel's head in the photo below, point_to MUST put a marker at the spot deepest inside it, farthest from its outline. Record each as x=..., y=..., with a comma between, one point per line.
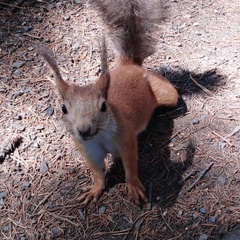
x=85, y=108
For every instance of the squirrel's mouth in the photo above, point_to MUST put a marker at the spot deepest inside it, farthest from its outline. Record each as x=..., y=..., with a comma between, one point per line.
x=89, y=137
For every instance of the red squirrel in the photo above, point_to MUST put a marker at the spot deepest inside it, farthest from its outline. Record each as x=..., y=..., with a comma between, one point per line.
x=107, y=116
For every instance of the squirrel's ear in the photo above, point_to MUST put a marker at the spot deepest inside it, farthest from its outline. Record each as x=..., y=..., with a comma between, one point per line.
x=61, y=85
x=103, y=82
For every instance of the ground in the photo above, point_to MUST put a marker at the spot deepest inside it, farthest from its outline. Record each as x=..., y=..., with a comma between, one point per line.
x=188, y=158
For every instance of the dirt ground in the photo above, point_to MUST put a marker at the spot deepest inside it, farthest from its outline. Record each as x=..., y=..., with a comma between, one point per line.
x=189, y=159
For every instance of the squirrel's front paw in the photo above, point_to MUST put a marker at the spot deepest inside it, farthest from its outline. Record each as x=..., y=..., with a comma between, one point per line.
x=136, y=189
x=91, y=193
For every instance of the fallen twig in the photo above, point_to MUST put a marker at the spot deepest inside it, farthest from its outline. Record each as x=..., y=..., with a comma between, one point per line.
x=223, y=138
x=43, y=201
x=193, y=172
x=200, y=176
x=32, y=36
x=10, y=5
x=201, y=86
x=165, y=220
x=235, y=130
x=144, y=215
x=64, y=219
x=150, y=195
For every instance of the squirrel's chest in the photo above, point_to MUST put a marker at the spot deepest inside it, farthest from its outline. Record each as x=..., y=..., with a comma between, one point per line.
x=101, y=145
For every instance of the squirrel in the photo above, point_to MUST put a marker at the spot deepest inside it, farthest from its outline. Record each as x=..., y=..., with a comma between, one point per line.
x=106, y=116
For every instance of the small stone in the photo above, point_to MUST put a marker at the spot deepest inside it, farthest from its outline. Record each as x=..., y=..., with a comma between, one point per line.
x=3, y=195
x=222, y=180
x=194, y=4
x=203, y=237
x=19, y=127
x=22, y=231
x=101, y=209
x=188, y=16
x=17, y=72
x=56, y=232
x=36, y=145
x=16, y=181
x=47, y=40
x=49, y=111
x=222, y=144
x=39, y=127
x=18, y=64
x=180, y=213
x=178, y=44
x=195, y=24
x=26, y=185
x=195, y=121
x=66, y=18
x=24, y=114
x=17, y=94
x=75, y=47
x=43, y=167
x=195, y=216
x=203, y=210
x=5, y=228
x=18, y=117
x=26, y=28
x=34, y=221
x=19, y=203
x=27, y=90
x=22, y=238
x=81, y=214
x=212, y=219
x=32, y=136
x=78, y=1
x=198, y=33
x=112, y=191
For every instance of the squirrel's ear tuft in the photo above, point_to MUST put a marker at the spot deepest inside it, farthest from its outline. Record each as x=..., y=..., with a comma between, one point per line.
x=103, y=82
x=61, y=85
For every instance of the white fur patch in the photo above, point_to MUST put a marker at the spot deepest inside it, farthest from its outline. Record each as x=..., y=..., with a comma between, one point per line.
x=102, y=144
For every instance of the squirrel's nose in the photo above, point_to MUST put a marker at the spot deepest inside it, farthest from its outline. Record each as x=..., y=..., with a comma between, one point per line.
x=84, y=131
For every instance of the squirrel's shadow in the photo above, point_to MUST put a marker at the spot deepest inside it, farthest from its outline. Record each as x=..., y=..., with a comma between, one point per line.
x=160, y=174
x=184, y=79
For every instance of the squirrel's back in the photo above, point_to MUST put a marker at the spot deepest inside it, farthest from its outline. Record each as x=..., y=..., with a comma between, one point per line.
x=131, y=26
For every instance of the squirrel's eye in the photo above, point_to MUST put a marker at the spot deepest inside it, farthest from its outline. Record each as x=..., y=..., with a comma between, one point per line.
x=64, y=109
x=104, y=107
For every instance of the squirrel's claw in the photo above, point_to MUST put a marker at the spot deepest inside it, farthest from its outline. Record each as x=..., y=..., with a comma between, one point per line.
x=136, y=192
x=91, y=193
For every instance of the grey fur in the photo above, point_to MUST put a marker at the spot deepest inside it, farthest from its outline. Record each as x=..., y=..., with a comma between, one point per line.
x=131, y=25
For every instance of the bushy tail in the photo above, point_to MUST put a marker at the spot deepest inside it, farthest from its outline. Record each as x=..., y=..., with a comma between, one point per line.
x=131, y=25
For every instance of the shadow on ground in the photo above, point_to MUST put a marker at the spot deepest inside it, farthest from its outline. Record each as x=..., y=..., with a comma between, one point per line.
x=184, y=80
x=160, y=174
